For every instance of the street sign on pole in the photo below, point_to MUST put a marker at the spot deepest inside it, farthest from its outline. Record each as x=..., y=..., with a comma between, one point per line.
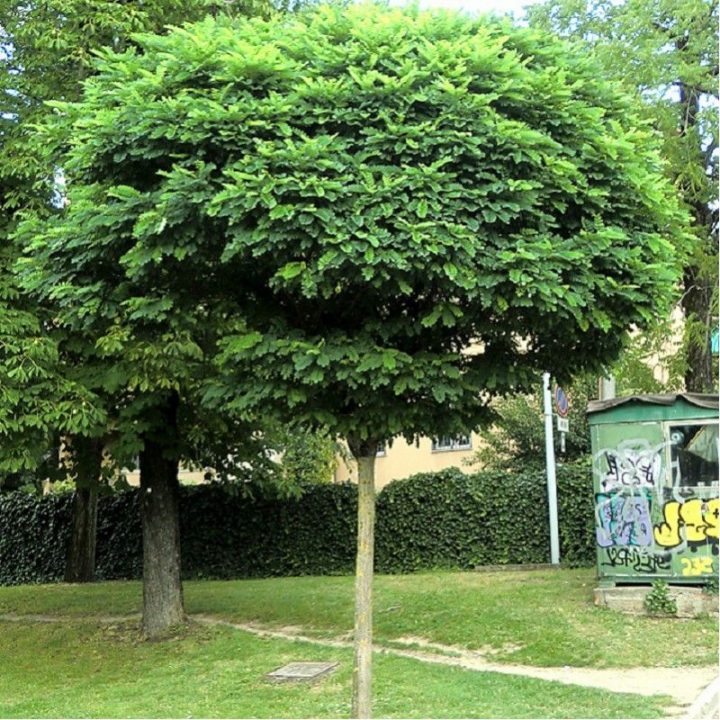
x=562, y=404
x=563, y=424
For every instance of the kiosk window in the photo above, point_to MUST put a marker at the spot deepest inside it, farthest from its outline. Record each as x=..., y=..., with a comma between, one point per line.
x=694, y=454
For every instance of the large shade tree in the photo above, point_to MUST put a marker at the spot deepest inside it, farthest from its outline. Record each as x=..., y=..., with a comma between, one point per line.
x=46, y=51
x=383, y=217
x=667, y=52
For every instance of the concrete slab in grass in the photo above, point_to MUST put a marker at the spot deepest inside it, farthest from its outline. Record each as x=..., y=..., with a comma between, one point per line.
x=302, y=671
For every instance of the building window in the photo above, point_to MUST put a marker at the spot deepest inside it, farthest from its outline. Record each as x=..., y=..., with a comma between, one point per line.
x=381, y=449
x=447, y=443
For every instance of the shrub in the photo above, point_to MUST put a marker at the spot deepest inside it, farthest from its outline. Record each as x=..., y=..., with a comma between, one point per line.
x=33, y=536
x=446, y=519
x=450, y=519
x=659, y=601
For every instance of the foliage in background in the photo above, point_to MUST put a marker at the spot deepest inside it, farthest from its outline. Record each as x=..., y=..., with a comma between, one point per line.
x=667, y=52
x=446, y=519
x=657, y=348
x=517, y=438
x=305, y=456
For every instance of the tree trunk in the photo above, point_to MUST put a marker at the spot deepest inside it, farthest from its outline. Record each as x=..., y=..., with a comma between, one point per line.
x=697, y=306
x=87, y=464
x=364, y=453
x=698, y=281
x=162, y=587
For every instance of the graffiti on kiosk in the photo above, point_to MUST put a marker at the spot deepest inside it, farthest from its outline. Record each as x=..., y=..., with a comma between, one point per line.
x=693, y=522
x=697, y=566
x=623, y=520
x=655, y=511
x=632, y=468
x=636, y=559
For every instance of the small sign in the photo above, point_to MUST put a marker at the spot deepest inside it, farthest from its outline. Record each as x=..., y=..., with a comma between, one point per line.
x=562, y=404
x=563, y=425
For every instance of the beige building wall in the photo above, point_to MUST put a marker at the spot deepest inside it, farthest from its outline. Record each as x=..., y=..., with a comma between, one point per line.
x=186, y=477
x=402, y=459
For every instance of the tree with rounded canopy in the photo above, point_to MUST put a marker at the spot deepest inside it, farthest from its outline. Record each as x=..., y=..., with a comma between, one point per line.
x=387, y=217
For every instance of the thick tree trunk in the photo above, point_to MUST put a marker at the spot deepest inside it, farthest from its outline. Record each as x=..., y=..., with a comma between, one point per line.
x=697, y=306
x=364, y=453
x=162, y=587
x=698, y=281
x=87, y=464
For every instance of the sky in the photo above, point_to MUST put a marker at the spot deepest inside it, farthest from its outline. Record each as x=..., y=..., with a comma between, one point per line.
x=499, y=6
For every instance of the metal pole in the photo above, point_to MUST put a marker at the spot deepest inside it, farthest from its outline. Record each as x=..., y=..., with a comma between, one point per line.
x=551, y=480
x=607, y=387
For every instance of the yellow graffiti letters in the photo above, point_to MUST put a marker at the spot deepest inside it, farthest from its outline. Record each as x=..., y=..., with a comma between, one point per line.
x=697, y=566
x=667, y=534
x=711, y=516
x=698, y=517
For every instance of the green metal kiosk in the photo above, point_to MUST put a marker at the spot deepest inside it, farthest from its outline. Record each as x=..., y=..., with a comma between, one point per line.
x=655, y=478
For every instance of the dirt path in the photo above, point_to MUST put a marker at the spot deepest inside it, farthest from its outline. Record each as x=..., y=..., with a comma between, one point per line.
x=683, y=684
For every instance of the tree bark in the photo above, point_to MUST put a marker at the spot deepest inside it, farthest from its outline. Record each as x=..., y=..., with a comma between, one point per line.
x=697, y=306
x=698, y=285
x=162, y=587
x=87, y=464
x=364, y=453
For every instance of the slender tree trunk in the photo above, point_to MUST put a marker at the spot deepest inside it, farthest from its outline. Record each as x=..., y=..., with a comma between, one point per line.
x=87, y=463
x=364, y=453
x=162, y=588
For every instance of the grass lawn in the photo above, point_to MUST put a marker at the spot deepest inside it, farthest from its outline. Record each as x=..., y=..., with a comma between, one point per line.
x=79, y=669
x=543, y=618
x=82, y=667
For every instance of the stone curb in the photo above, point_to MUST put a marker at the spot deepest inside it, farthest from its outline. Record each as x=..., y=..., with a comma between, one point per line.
x=707, y=703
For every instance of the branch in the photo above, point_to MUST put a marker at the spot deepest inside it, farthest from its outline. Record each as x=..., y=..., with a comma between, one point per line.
x=710, y=151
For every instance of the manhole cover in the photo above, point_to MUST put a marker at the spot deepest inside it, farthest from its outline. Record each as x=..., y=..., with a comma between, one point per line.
x=302, y=671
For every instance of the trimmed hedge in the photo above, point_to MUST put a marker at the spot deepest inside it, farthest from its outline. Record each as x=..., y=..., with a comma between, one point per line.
x=452, y=520
x=431, y=520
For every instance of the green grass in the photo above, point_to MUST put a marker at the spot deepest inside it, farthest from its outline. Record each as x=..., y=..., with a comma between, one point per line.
x=543, y=618
x=80, y=669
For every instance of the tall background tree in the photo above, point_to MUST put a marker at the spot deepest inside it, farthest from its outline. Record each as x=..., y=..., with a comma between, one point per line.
x=667, y=52
x=342, y=204
x=47, y=50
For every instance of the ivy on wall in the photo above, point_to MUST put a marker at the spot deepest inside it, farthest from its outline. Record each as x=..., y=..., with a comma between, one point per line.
x=432, y=520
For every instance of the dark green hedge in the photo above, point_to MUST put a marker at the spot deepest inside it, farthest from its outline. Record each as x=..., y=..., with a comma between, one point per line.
x=432, y=520
x=453, y=520
x=33, y=537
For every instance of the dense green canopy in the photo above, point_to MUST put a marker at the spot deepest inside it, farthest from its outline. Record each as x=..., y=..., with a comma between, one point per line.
x=349, y=199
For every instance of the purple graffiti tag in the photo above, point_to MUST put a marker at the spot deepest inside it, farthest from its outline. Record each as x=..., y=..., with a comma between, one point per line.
x=623, y=520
